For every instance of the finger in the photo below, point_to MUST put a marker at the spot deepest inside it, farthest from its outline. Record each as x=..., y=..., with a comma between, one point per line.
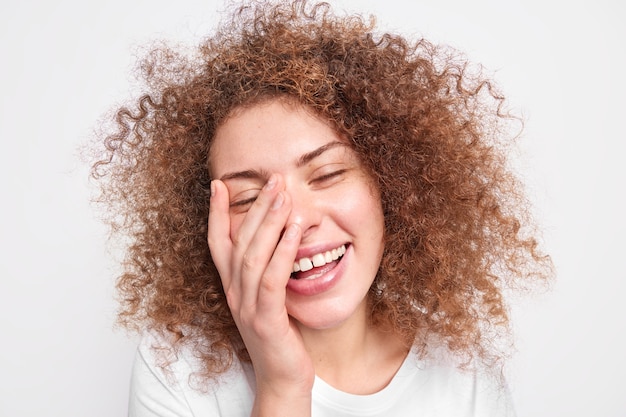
x=218, y=236
x=242, y=260
x=256, y=214
x=272, y=287
x=262, y=247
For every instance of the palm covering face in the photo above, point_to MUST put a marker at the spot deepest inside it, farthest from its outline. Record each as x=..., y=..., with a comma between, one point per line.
x=255, y=266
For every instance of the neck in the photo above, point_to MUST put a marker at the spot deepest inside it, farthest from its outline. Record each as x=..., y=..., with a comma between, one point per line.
x=355, y=356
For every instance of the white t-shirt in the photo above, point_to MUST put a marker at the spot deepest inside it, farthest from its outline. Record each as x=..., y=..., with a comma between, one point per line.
x=417, y=389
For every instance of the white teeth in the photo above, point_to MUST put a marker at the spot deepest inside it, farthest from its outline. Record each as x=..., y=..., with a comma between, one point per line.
x=305, y=264
x=319, y=259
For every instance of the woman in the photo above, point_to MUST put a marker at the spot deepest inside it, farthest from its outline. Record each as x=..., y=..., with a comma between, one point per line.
x=361, y=224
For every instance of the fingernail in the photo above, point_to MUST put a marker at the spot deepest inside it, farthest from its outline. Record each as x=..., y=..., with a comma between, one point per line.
x=212, y=188
x=278, y=201
x=271, y=182
x=291, y=232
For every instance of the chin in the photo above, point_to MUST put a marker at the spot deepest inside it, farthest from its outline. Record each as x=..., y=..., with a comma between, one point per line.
x=318, y=323
x=326, y=317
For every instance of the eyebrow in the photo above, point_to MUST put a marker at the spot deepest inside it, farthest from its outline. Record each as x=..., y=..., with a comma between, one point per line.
x=309, y=156
x=264, y=175
x=247, y=174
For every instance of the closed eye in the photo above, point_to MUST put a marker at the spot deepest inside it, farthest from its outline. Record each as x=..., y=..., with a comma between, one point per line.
x=329, y=176
x=242, y=203
x=245, y=202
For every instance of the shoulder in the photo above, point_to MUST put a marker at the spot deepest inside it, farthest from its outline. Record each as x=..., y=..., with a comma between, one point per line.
x=473, y=388
x=166, y=382
x=421, y=387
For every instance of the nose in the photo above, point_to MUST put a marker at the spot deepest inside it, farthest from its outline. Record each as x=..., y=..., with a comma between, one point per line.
x=306, y=209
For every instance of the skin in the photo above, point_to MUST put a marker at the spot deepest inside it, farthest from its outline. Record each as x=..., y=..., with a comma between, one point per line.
x=287, y=187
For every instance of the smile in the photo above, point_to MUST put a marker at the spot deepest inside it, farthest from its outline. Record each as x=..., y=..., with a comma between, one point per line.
x=319, y=259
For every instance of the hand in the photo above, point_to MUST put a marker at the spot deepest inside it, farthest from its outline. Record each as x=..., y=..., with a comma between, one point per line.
x=255, y=265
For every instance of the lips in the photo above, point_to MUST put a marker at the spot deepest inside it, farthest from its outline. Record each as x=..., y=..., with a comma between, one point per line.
x=315, y=280
x=318, y=260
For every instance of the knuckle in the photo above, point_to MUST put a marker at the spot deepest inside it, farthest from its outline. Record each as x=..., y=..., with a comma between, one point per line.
x=232, y=299
x=250, y=320
x=268, y=284
x=258, y=326
x=212, y=241
x=249, y=262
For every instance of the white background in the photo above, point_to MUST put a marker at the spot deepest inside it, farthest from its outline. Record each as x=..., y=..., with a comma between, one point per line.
x=64, y=64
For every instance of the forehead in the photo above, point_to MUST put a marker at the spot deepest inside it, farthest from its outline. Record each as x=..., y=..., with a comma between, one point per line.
x=270, y=135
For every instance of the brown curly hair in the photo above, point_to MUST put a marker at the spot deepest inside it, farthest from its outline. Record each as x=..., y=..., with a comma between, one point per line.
x=431, y=131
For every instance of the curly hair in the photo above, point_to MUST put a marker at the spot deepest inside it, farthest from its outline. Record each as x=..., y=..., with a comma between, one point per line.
x=431, y=131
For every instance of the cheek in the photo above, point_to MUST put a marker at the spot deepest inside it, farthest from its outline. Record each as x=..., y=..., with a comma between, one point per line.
x=362, y=211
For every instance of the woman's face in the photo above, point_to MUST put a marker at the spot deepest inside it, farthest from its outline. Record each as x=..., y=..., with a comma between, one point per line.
x=333, y=201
